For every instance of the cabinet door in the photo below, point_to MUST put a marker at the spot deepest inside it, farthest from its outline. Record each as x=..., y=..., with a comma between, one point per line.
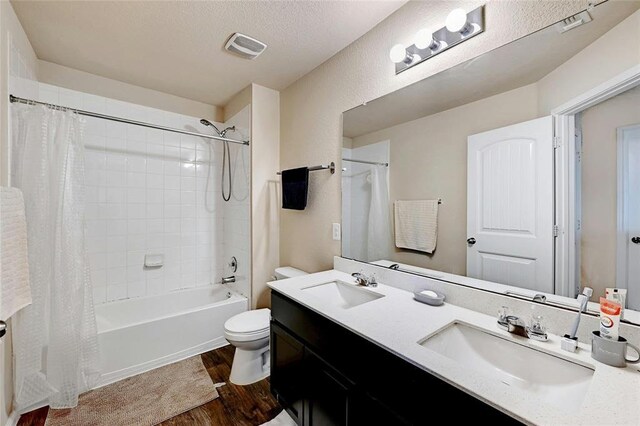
x=366, y=410
x=328, y=393
x=287, y=372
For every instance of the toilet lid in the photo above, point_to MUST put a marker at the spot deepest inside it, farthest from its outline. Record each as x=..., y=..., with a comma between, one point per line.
x=249, y=322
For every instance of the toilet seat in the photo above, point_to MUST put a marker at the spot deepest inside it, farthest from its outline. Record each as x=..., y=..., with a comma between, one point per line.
x=248, y=326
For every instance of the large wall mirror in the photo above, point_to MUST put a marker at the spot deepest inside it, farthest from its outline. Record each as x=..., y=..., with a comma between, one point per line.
x=517, y=171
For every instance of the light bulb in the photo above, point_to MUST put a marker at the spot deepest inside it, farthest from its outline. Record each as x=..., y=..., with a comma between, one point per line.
x=398, y=53
x=457, y=21
x=424, y=39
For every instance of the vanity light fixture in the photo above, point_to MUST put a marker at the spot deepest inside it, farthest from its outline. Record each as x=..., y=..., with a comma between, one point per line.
x=398, y=54
x=457, y=22
x=424, y=40
x=460, y=26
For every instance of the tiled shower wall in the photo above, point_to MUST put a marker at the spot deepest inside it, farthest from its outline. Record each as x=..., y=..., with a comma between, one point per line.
x=147, y=194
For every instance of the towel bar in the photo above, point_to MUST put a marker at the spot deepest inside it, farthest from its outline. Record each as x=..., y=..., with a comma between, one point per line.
x=331, y=167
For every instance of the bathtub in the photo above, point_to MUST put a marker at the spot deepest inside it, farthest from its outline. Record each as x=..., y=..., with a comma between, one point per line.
x=141, y=334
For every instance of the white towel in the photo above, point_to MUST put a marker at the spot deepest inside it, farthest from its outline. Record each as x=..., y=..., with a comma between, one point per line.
x=416, y=224
x=15, y=292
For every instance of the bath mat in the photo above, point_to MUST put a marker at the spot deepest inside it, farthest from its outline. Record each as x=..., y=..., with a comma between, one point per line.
x=146, y=399
x=282, y=419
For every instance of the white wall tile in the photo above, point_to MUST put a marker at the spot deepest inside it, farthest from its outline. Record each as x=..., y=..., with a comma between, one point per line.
x=146, y=195
x=116, y=292
x=99, y=294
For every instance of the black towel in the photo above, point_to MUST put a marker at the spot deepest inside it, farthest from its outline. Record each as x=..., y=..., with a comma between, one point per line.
x=295, y=185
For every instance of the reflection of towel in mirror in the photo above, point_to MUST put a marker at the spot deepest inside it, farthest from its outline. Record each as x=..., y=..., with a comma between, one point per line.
x=416, y=224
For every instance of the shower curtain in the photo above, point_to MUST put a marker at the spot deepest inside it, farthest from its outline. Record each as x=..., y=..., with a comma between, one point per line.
x=379, y=228
x=55, y=341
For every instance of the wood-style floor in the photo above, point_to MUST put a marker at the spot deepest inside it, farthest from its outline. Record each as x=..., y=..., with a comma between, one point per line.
x=237, y=405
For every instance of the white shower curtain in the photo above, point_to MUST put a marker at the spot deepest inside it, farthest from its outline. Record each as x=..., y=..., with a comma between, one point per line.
x=56, y=351
x=379, y=229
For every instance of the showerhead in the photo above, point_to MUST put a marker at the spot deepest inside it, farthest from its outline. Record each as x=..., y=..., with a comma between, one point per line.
x=206, y=122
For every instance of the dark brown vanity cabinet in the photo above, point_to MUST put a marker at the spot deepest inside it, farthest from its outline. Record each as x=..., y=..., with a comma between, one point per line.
x=324, y=374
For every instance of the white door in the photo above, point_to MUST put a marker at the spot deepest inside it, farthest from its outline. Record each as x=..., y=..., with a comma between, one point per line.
x=510, y=205
x=628, y=256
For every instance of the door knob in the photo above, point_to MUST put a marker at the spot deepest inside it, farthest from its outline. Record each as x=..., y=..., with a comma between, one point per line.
x=635, y=240
x=472, y=241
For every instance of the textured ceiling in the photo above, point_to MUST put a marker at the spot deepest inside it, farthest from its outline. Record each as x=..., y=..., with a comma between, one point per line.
x=178, y=47
x=514, y=65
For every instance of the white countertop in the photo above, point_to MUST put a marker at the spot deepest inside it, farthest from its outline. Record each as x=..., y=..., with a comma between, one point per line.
x=397, y=323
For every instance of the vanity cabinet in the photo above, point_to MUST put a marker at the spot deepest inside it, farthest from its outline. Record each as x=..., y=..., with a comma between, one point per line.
x=324, y=374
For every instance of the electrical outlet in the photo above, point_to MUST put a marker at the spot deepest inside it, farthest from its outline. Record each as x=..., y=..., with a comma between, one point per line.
x=336, y=232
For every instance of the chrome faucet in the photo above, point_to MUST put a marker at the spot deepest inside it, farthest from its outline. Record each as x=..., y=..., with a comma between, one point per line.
x=515, y=325
x=228, y=280
x=363, y=280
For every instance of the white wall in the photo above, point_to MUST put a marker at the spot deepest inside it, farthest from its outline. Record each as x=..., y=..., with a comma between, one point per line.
x=265, y=204
x=237, y=211
x=615, y=52
x=18, y=67
x=311, y=107
x=81, y=81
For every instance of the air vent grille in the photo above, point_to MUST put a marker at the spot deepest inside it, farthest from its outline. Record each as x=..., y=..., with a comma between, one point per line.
x=573, y=22
x=245, y=46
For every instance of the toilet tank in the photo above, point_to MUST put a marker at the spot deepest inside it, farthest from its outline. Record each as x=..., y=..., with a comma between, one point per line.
x=285, y=272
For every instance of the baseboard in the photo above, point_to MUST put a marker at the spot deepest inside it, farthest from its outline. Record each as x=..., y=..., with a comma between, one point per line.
x=115, y=376
x=13, y=418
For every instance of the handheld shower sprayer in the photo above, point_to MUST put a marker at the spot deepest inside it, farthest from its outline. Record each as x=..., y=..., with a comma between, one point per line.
x=226, y=157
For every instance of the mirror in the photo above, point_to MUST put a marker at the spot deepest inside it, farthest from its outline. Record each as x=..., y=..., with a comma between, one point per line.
x=517, y=171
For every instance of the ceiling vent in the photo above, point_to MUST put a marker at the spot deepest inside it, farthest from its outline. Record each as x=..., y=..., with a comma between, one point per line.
x=245, y=46
x=573, y=22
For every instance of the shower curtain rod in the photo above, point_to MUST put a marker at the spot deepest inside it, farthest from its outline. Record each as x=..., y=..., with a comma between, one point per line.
x=375, y=163
x=15, y=99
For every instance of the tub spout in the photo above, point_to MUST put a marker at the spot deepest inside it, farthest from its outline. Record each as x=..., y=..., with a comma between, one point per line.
x=228, y=280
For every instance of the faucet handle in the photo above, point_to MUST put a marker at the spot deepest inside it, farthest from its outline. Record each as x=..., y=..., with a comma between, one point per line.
x=503, y=313
x=373, y=281
x=537, y=330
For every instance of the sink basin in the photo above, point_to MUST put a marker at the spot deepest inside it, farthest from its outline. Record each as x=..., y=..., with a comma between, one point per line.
x=342, y=295
x=549, y=379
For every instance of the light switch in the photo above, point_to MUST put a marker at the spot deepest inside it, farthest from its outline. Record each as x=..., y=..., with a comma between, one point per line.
x=336, y=232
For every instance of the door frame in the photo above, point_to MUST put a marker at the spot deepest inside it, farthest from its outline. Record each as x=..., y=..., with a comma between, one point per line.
x=566, y=206
x=622, y=243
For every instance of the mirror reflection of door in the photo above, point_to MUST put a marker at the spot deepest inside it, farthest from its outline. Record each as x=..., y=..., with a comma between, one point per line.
x=628, y=268
x=510, y=205
x=608, y=217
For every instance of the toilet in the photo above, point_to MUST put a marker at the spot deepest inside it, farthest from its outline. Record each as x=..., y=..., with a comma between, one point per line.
x=248, y=332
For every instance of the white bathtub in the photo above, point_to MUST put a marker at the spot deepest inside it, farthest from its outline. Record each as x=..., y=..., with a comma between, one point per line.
x=138, y=335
